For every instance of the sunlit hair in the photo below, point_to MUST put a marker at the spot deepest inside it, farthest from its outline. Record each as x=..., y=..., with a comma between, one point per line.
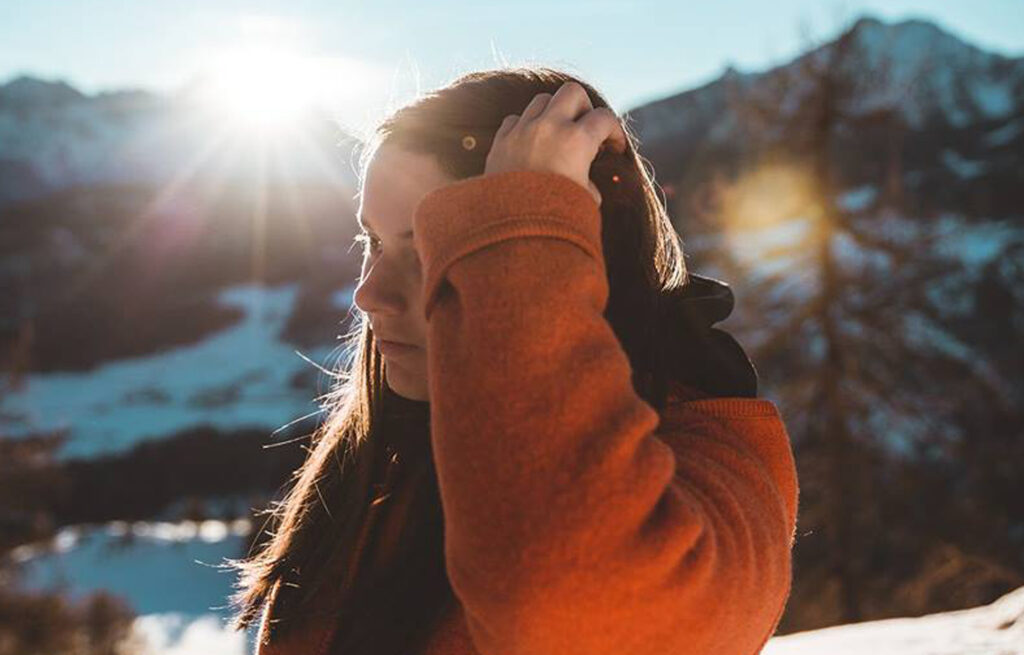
x=320, y=531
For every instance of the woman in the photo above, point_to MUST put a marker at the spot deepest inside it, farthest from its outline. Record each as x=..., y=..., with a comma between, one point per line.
x=540, y=445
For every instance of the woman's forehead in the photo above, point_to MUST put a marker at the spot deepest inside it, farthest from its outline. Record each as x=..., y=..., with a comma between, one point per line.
x=394, y=183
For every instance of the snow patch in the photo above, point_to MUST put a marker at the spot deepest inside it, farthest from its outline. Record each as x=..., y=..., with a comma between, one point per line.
x=963, y=167
x=997, y=628
x=237, y=378
x=993, y=99
x=1005, y=134
x=172, y=633
x=975, y=244
x=858, y=199
x=853, y=256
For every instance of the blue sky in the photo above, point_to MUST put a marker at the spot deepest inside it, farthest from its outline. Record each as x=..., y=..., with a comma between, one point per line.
x=632, y=51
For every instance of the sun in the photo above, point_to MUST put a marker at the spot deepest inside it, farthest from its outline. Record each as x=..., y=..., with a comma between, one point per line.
x=265, y=88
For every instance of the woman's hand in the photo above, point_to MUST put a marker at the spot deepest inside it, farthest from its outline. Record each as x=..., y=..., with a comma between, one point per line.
x=560, y=133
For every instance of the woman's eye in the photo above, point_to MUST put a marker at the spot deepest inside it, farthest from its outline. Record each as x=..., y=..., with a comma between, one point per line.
x=370, y=243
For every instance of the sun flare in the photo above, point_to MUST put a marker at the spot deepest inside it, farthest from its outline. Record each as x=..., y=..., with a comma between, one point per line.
x=264, y=88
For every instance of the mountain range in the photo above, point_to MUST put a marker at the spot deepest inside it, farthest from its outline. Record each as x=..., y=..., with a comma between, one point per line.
x=129, y=221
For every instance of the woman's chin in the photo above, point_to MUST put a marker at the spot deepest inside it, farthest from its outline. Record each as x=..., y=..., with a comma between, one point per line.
x=399, y=381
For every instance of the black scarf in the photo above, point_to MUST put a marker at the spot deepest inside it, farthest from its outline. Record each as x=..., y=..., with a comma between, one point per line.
x=702, y=356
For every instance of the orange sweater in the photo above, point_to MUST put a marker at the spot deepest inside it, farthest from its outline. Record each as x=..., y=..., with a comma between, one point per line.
x=577, y=520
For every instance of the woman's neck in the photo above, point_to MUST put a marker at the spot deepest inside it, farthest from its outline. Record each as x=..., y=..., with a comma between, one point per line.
x=406, y=424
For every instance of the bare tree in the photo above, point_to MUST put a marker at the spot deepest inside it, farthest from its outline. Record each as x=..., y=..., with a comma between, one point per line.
x=863, y=358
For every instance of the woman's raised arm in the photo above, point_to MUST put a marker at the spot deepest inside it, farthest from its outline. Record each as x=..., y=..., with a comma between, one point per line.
x=578, y=521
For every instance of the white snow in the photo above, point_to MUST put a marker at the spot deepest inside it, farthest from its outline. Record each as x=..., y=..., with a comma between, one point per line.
x=994, y=629
x=852, y=256
x=995, y=100
x=1004, y=134
x=921, y=67
x=858, y=199
x=239, y=377
x=962, y=166
x=179, y=634
x=975, y=244
x=921, y=331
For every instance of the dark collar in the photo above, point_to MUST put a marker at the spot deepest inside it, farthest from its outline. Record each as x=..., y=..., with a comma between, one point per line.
x=699, y=354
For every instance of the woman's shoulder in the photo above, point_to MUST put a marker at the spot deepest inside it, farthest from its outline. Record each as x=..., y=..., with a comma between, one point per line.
x=749, y=432
x=683, y=396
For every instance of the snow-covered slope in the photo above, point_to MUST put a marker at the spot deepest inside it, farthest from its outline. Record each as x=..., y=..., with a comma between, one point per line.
x=995, y=629
x=167, y=572
x=235, y=378
x=932, y=75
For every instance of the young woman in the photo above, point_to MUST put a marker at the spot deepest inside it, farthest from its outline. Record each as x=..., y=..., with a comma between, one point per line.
x=540, y=445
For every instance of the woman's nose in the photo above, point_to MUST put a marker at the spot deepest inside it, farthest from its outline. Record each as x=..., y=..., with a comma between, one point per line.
x=379, y=293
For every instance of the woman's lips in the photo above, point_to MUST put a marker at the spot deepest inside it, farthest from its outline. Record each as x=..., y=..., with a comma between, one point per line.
x=394, y=348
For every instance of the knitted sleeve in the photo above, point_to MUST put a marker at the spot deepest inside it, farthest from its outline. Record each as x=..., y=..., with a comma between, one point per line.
x=577, y=520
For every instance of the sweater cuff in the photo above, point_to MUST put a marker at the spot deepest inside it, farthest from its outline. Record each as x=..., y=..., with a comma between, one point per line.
x=457, y=219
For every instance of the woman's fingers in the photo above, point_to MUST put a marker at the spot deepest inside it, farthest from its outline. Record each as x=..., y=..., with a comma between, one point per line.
x=560, y=132
x=569, y=102
x=604, y=127
x=594, y=192
x=536, y=106
x=506, y=125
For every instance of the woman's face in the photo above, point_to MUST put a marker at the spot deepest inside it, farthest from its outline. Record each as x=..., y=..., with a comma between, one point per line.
x=390, y=285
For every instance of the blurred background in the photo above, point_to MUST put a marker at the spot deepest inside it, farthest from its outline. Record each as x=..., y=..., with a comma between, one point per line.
x=176, y=262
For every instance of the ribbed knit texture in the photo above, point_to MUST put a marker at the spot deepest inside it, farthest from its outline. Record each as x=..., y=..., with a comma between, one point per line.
x=577, y=520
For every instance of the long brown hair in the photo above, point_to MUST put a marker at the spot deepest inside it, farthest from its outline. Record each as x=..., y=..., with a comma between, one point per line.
x=322, y=527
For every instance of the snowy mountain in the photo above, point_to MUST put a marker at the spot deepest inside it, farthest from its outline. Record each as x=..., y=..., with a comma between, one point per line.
x=52, y=138
x=906, y=143
x=930, y=76
x=129, y=195
x=864, y=200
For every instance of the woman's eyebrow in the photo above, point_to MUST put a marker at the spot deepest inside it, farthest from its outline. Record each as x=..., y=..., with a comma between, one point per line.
x=366, y=226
